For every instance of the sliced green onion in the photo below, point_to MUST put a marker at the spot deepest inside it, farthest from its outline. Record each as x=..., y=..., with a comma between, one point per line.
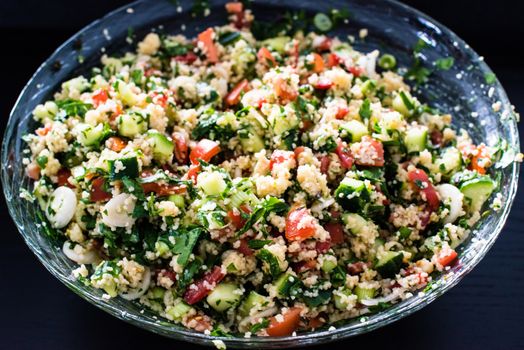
x=387, y=62
x=322, y=22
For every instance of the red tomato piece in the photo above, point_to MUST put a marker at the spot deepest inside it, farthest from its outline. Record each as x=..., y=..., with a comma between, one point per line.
x=288, y=325
x=235, y=217
x=283, y=91
x=323, y=84
x=97, y=191
x=233, y=98
x=356, y=71
x=204, y=150
x=323, y=247
x=342, y=112
x=344, y=154
x=325, y=45
x=305, y=266
x=336, y=232
x=181, y=147
x=480, y=160
x=206, y=38
x=192, y=173
x=318, y=63
x=325, y=161
x=188, y=58
x=265, y=57
x=333, y=60
x=298, y=150
x=33, y=171
x=115, y=143
x=371, y=152
x=99, y=96
x=44, y=131
x=63, y=177
x=420, y=180
x=200, y=289
x=244, y=248
x=447, y=259
x=234, y=7
x=300, y=225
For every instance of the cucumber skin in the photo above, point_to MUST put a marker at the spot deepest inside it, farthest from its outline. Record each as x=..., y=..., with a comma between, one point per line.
x=416, y=140
x=390, y=265
x=162, y=147
x=356, y=203
x=222, y=297
x=364, y=293
x=130, y=170
x=477, y=191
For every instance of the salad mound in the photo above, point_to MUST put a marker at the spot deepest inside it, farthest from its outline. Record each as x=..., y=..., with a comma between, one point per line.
x=254, y=187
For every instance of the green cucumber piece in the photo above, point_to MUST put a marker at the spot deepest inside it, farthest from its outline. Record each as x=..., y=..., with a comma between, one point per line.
x=89, y=135
x=253, y=301
x=224, y=296
x=123, y=167
x=404, y=104
x=415, y=139
x=251, y=141
x=338, y=299
x=477, y=191
x=389, y=264
x=352, y=194
x=449, y=161
x=178, y=200
x=364, y=293
x=130, y=125
x=328, y=265
x=353, y=131
x=278, y=43
x=212, y=183
x=284, y=283
x=355, y=223
x=322, y=22
x=178, y=310
x=270, y=262
x=162, y=146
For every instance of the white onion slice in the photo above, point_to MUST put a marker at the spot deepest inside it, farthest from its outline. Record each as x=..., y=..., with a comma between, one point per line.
x=117, y=212
x=136, y=293
x=395, y=294
x=61, y=207
x=452, y=195
x=79, y=254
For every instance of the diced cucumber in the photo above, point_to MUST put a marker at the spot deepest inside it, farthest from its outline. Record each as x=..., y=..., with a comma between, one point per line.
x=253, y=301
x=352, y=194
x=368, y=86
x=389, y=264
x=278, y=43
x=162, y=146
x=224, y=296
x=364, y=293
x=90, y=135
x=283, y=283
x=282, y=123
x=130, y=125
x=271, y=262
x=416, y=138
x=476, y=192
x=123, y=167
x=355, y=223
x=211, y=182
x=126, y=94
x=353, y=131
x=338, y=297
x=178, y=200
x=252, y=142
x=178, y=310
x=328, y=265
x=404, y=103
x=449, y=161
x=157, y=293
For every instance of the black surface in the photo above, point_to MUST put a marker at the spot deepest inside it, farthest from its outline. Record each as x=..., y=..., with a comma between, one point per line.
x=485, y=311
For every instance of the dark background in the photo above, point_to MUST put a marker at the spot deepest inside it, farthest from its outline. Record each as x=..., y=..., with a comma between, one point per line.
x=485, y=311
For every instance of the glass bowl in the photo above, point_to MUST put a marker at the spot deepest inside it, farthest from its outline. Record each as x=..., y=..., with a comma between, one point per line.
x=393, y=28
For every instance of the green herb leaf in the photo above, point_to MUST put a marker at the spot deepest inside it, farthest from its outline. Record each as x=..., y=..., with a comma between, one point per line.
x=445, y=63
x=365, y=109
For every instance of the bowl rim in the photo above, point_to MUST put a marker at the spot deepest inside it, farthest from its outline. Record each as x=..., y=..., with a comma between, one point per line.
x=373, y=322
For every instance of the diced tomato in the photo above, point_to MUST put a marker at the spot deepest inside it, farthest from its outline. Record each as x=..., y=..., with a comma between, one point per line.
x=323, y=84
x=420, y=180
x=298, y=150
x=305, y=266
x=318, y=63
x=200, y=289
x=168, y=273
x=335, y=214
x=192, y=173
x=97, y=191
x=265, y=57
x=233, y=98
x=373, y=151
x=289, y=324
x=152, y=72
x=244, y=248
x=159, y=98
x=234, y=7
x=300, y=225
x=315, y=323
x=336, y=232
x=356, y=267
x=279, y=157
x=99, y=96
x=199, y=323
x=447, y=259
x=33, y=171
x=63, y=176
x=204, y=150
x=261, y=103
x=115, y=143
x=333, y=60
x=344, y=154
x=342, y=112
x=356, y=71
x=480, y=160
x=44, y=130
x=325, y=45
x=296, y=53
x=206, y=38
x=436, y=137
x=306, y=124
x=188, y=58
x=323, y=247
x=284, y=91
x=325, y=161
x=161, y=190
x=236, y=218
x=181, y=147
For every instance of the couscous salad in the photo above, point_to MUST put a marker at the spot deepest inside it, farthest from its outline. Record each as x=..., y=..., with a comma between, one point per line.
x=254, y=187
